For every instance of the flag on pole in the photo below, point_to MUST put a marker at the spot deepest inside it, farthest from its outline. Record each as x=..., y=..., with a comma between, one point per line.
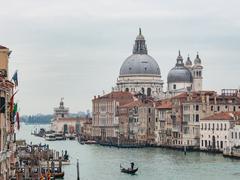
x=15, y=78
x=12, y=102
x=15, y=109
x=18, y=120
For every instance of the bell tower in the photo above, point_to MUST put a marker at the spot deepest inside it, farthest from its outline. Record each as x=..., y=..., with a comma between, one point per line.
x=197, y=74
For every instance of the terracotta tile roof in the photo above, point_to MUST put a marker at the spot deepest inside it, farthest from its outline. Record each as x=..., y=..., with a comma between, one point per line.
x=182, y=95
x=119, y=96
x=222, y=116
x=166, y=104
x=132, y=104
x=116, y=94
x=2, y=47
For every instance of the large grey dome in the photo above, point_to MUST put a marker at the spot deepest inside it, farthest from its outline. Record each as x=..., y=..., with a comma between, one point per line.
x=140, y=63
x=179, y=73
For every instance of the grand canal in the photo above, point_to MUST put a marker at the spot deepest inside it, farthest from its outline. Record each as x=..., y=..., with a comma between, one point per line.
x=102, y=163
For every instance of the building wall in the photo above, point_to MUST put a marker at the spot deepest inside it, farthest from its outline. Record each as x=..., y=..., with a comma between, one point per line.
x=7, y=135
x=179, y=87
x=137, y=84
x=214, y=129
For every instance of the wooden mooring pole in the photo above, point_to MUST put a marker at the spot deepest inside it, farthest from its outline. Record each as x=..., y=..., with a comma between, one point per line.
x=78, y=177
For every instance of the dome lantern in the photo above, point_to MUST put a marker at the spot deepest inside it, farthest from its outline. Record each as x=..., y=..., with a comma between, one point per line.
x=188, y=62
x=197, y=60
x=140, y=46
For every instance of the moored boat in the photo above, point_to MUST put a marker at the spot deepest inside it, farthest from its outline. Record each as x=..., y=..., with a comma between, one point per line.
x=50, y=137
x=59, y=136
x=90, y=142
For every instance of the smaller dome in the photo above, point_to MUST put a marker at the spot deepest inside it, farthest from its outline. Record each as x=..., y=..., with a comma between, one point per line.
x=197, y=60
x=188, y=62
x=179, y=73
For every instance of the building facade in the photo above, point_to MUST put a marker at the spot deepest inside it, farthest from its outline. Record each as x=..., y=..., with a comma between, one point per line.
x=7, y=135
x=105, y=123
x=215, y=131
x=62, y=122
x=137, y=122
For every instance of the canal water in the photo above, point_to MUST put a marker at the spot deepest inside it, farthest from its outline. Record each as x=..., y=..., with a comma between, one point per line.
x=102, y=163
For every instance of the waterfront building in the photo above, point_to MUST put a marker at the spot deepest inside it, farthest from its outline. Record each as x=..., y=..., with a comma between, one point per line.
x=217, y=131
x=163, y=123
x=105, y=123
x=7, y=134
x=185, y=77
x=86, y=130
x=188, y=109
x=62, y=122
x=140, y=72
x=137, y=121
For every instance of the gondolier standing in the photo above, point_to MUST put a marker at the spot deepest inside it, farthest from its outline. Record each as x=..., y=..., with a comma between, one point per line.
x=132, y=165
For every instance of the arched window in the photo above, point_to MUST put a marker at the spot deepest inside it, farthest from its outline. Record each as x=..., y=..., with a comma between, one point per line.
x=127, y=90
x=174, y=86
x=149, y=91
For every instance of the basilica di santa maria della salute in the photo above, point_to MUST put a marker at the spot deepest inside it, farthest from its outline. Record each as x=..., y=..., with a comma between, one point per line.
x=140, y=73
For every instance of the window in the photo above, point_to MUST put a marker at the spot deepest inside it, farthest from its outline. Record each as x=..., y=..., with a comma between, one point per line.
x=205, y=126
x=156, y=119
x=213, y=126
x=226, y=107
x=202, y=142
x=201, y=126
x=217, y=127
x=232, y=135
x=211, y=108
x=197, y=117
x=149, y=110
x=174, y=86
x=225, y=127
x=209, y=126
x=149, y=91
x=205, y=143
x=218, y=108
x=234, y=108
x=239, y=135
x=186, y=117
x=2, y=105
x=221, y=144
x=235, y=135
x=149, y=119
x=186, y=108
x=197, y=107
x=221, y=127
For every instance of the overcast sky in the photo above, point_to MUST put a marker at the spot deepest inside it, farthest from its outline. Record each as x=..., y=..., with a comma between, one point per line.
x=74, y=48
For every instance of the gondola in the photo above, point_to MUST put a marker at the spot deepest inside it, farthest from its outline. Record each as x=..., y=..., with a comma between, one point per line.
x=128, y=170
